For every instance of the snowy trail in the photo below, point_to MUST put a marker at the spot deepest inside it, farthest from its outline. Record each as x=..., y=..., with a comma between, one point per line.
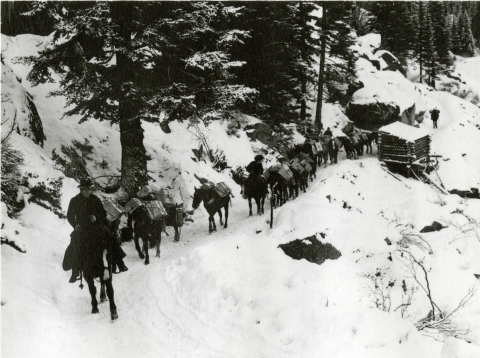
x=151, y=319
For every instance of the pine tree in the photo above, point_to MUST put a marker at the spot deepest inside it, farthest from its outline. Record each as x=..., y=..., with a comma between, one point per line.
x=337, y=62
x=465, y=45
x=308, y=47
x=476, y=22
x=424, y=47
x=278, y=58
x=122, y=61
x=439, y=16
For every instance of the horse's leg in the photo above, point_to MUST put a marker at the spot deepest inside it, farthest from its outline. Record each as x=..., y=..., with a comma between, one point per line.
x=262, y=203
x=137, y=245
x=220, y=215
x=250, y=205
x=210, y=225
x=145, y=250
x=213, y=222
x=111, y=299
x=226, y=214
x=103, y=296
x=158, y=240
x=93, y=293
x=177, y=231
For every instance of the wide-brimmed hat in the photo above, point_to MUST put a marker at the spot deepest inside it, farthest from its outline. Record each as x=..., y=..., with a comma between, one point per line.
x=259, y=157
x=85, y=183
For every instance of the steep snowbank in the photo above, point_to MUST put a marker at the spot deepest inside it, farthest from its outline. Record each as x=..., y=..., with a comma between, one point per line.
x=235, y=293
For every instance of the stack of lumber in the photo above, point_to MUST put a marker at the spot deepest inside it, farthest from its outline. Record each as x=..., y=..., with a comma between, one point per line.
x=402, y=143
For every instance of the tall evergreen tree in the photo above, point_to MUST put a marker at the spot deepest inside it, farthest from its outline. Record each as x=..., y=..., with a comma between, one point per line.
x=277, y=57
x=439, y=16
x=465, y=45
x=308, y=47
x=476, y=23
x=119, y=61
x=424, y=46
x=338, y=67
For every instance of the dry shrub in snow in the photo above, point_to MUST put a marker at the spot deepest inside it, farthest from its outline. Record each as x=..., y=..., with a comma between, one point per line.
x=469, y=227
x=75, y=164
x=12, y=159
x=437, y=321
x=379, y=287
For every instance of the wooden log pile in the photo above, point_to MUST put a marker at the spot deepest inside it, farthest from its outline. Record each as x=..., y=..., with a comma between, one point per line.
x=398, y=150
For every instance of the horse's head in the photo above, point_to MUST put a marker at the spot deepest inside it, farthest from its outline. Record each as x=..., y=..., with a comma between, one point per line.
x=197, y=198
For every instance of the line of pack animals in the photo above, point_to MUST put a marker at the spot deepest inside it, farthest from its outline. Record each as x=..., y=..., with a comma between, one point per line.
x=287, y=178
x=152, y=210
x=150, y=213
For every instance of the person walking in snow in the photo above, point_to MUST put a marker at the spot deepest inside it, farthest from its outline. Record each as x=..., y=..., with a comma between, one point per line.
x=88, y=217
x=434, y=114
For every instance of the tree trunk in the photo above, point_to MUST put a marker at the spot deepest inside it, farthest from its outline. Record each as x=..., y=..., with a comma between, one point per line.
x=134, y=164
x=303, y=102
x=318, y=112
x=303, y=79
x=134, y=161
x=420, y=59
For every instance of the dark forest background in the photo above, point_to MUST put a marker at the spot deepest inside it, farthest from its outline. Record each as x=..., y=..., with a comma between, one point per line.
x=284, y=42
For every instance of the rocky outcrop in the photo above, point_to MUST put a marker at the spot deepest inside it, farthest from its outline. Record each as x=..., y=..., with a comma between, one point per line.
x=408, y=116
x=392, y=63
x=372, y=116
x=19, y=112
x=261, y=132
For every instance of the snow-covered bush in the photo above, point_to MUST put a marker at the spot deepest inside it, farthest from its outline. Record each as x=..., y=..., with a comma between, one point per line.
x=12, y=159
x=74, y=165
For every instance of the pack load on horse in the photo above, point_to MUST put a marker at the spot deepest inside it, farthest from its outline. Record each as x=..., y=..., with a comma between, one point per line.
x=92, y=249
x=214, y=197
x=146, y=219
x=287, y=174
x=323, y=149
x=300, y=174
x=348, y=144
x=278, y=177
x=114, y=213
x=175, y=213
x=310, y=155
x=114, y=210
x=319, y=149
x=308, y=163
x=175, y=210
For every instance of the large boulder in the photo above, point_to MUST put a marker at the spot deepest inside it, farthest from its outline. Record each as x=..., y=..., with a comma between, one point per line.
x=408, y=116
x=392, y=63
x=261, y=132
x=372, y=115
x=19, y=112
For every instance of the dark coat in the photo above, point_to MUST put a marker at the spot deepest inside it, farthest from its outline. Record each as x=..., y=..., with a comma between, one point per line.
x=80, y=208
x=255, y=168
x=435, y=113
x=94, y=237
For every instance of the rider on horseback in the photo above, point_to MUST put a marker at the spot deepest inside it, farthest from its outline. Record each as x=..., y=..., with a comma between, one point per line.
x=255, y=168
x=88, y=217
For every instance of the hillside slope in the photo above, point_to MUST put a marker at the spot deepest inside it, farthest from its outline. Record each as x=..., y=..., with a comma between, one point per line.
x=236, y=293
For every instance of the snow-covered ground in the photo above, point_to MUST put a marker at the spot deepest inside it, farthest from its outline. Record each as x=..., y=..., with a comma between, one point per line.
x=235, y=293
